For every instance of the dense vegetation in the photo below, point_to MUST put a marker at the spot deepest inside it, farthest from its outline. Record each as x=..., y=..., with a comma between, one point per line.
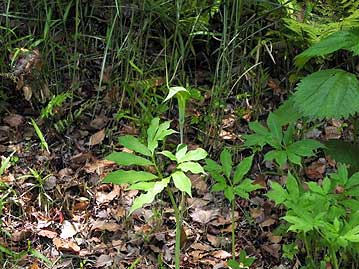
x=193, y=134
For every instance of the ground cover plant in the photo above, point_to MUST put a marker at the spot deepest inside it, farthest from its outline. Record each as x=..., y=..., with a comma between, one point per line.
x=179, y=134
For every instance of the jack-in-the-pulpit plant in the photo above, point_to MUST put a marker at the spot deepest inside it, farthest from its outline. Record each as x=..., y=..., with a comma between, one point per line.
x=151, y=184
x=232, y=182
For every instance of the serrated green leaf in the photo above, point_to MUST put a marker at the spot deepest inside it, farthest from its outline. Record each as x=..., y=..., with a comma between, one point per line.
x=298, y=224
x=254, y=140
x=332, y=93
x=226, y=161
x=245, y=188
x=149, y=196
x=194, y=155
x=353, y=181
x=352, y=235
x=177, y=90
x=125, y=158
x=287, y=113
x=242, y=169
x=193, y=167
x=128, y=177
x=258, y=128
x=314, y=187
x=134, y=144
x=182, y=182
x=168, y=154
x=277, y=193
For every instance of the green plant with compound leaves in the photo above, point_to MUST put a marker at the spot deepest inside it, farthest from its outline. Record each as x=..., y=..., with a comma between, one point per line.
x=152, y=184
x=323, y=215
x=232, y=182
x=282, y=141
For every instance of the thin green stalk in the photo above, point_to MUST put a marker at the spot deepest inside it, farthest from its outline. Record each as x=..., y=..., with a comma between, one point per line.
x=334, y=258
x=233, y=230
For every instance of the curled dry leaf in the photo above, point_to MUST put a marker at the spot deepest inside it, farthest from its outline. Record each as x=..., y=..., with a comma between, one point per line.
x=47, y=233
x=103, y=197
x=105, y=226
x=204, y=216
x=221, y=254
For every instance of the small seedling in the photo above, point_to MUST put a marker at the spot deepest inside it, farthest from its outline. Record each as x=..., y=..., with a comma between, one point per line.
x=43, y=142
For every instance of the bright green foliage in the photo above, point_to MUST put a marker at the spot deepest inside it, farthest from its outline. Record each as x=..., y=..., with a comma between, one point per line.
x=231, y=182
x=43, y=142
x=56, y=101
x=347, y=40
x=283, y=144
x=153, y=184
x=326, y=215
x=331, y=93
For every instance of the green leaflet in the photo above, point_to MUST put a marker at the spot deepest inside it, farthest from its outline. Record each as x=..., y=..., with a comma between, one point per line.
x=128, y=177
x=125, y=158
x=134, y=144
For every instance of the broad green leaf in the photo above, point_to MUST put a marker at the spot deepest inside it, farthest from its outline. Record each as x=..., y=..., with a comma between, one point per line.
x=149, y=196
x=128, y=177
x=174, y=90
x=219, y=178
x=242, y=169
x=219, y=187
x=275, y=128
x=289, y=135
x=164, y=131
x=331, y=93
x=255, y=140
x=141, y=186
x=181, y=152
x=299, y=224
x=193, y=167
x=305, y=147
x=293, y=158
x=352, y=235
x=277, y=193
x=279, y=156
x=314, y=187
x=292, y=187
x=182, y=182
x=125, y=158
x=194, y=155
x=134, y=144
x=168, y=154
x=233, y=264
x=247, y=186
x=226, y=161
x=258, y=128
x=229, y=193
x=287, y=113
x=352, y=181
x=327, y=185
x=212, y=166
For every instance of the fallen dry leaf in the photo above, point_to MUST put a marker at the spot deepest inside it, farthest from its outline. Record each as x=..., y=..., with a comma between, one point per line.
x=221, y=254
x=105, y=226
x=316, y=169
x=103, y=260
x=97, y=138
x=204, y=216
x=214, y=240
x=63, y=245
x=103, y=197
x=68, y=230
x=47, y=233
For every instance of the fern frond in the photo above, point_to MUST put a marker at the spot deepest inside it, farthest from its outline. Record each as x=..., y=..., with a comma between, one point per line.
x=340, y=40
x=332, y=93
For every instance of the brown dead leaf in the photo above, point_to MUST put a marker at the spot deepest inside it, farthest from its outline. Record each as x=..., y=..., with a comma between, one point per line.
x=47, y=233
x=204, y=216
x=272, y=249
x=199, y=183
x=99, y=122
x=97, y=138
x=200, y=246
x=221, y=254
x=316, y=170
x=332, y=132
x=14, y=120
x=197, y=255
x=98, y=166
x=35, y=265
x=101, y=225
x=103, y=197
x=268, y=222
x=67, y=246
x=214, y=240
x=20, y=235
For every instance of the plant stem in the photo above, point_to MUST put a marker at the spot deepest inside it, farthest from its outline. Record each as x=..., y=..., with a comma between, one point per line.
x=334, y=258
x=179, y=218
x=233, y=230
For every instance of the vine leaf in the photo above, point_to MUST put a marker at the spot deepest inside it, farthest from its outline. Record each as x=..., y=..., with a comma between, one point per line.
x=332, y=93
